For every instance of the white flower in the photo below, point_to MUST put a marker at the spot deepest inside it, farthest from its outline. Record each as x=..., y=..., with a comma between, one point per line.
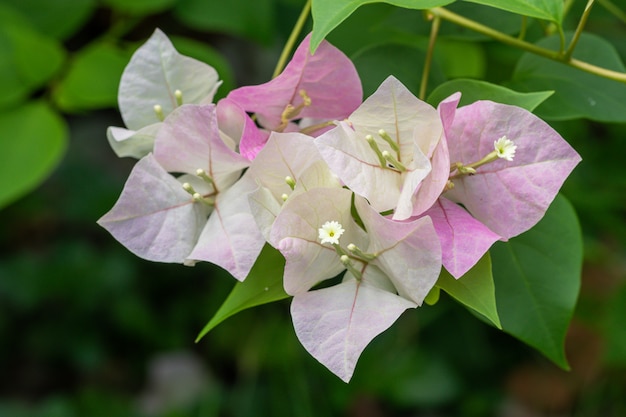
x=330, y=232
x=505, y=148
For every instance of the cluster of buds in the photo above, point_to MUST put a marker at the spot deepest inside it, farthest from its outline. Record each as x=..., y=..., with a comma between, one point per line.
x=385, y=191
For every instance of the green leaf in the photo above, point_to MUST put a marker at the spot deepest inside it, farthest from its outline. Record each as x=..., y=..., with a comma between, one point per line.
x=375, y=23
x=537, y=279
x=577, y=93
x=475, y=290
x=236, y=17
x=460, y=59
x=140, y=7
x=473, y=90
x=542, y=9
x=263, y=285
x=21, y=69
x=33, y=139
x=92, y=79
x=377, y=62
x=58, y=19
x=328, y=14
x=615, y=331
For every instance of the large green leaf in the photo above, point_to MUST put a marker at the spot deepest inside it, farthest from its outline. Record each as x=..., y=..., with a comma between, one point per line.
x=460, y=59
x=33, y=139
x=140, y=7
x=92, y=79
x=328, y=14
x=237, y=17
x=577, y=93
x=28, y=60
x=59, y=18
x=403, y=61
x=263, y=285
x=542, y=9
x=475, y=289
x=537, y=278
x=473, y=90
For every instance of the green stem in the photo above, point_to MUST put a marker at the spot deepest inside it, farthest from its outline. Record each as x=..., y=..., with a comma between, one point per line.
x=613, y=9
x=579, y=30
x=526, y=46
x=282, y=61
x=522, y=32
x=434, y=30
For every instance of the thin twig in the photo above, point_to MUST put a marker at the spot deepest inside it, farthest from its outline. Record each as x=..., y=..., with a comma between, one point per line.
x=526, y=46
x=434, y=30
x=282, y=61
x=579, y=30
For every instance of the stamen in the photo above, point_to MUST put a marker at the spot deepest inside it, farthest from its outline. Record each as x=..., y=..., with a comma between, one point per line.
x=158, y=110
x=394, y=145
x=179, y=97
x=504, y=149
x=347, y=262
x=464, y=170
x=290, y=182
x=202, y=174
x=197, y=198
x=291, y=112
x=381, y=160
x=284, y=197
x=306, y=100
x=393, y=161
x=189, y=188
x=358, y=252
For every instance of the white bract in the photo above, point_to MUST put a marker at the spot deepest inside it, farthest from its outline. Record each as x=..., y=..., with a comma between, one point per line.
x=156, y=81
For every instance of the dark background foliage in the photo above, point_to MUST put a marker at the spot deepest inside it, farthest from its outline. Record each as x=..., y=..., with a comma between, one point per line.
x=88, y=329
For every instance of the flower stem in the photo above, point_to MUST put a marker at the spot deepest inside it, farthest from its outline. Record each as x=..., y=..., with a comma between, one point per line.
x=292, y=39
x=522, y=32
x=434, y=30
x=526, y=46
x=579, y=30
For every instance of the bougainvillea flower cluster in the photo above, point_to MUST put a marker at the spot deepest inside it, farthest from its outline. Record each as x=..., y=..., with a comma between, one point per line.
x=382, y=192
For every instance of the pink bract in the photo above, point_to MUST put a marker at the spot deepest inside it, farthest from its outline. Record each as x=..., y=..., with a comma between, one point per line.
x=509, y=197
x=328, y=77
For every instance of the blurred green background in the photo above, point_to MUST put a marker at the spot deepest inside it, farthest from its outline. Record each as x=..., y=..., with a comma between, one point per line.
x=88, y=329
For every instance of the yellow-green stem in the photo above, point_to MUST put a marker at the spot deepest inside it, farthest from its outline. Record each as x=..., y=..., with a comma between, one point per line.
x=579, y=30
x=293, y=37
x=522, y=32
x=526, y=46
x=434, y=30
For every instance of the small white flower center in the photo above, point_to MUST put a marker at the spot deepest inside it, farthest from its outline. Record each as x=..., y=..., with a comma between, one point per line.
x=505, y=148
x=330, y=232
